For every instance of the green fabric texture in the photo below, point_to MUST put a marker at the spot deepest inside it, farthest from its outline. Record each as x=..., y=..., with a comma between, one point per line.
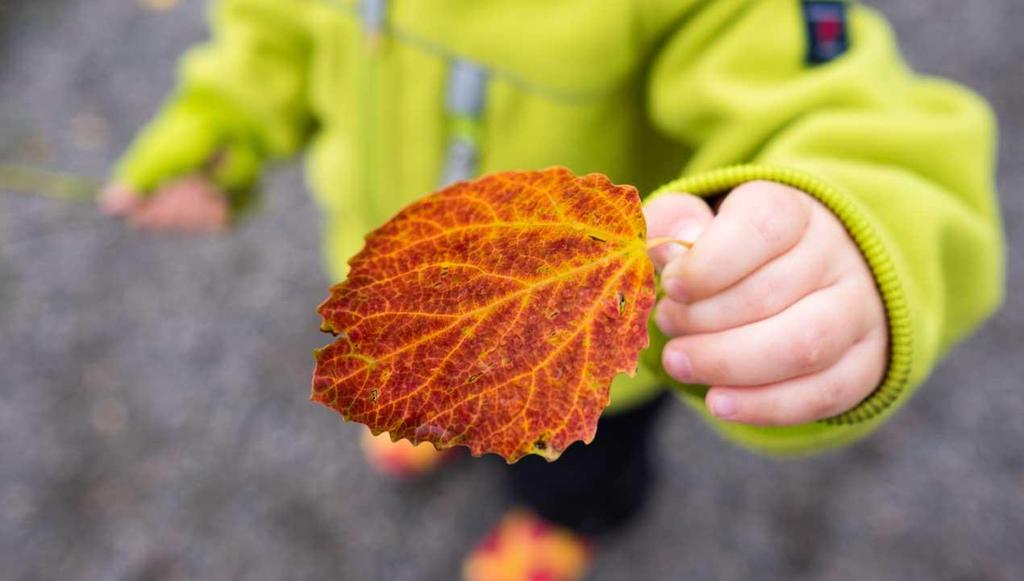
x=656, y=93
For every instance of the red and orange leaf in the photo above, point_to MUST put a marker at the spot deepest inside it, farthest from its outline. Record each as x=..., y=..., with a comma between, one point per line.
x=492, y=314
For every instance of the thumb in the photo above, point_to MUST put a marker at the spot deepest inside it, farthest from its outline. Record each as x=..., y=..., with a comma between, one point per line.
x=677, y=217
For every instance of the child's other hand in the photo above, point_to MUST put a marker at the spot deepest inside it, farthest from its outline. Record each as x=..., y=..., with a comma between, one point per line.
x=773, y=306
x=190, y=205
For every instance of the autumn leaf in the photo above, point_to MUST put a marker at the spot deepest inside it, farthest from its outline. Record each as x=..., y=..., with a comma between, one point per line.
x=493, y=314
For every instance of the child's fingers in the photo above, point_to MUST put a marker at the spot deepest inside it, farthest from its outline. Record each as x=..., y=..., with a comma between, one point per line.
x=160, y=212
x=213, y=219
x=675, y=216
x=809, y=336
x=672, y=317
x=807, y=267
x=200, y=208
x=183, y=206
x=807, y=398
x=151, y=216
x=757, y=222
x=117, y=200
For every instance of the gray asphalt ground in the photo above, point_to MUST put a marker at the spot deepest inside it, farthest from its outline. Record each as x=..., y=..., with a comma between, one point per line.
x=154, y=421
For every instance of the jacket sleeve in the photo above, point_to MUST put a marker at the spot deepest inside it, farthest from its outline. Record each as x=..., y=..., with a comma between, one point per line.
x=905, y=162
x=241, y=100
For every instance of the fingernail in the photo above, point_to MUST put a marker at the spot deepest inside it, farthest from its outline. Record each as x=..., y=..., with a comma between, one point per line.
x=687, y=231
x=675, y=288
x=664, y=321
x=677, y=364
x=722, y=406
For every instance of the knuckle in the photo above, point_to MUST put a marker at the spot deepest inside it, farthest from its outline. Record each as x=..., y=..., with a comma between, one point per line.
x=771, y=227
x=812, y=345
x=769, y=298
x=773, y=212
x=782, y=198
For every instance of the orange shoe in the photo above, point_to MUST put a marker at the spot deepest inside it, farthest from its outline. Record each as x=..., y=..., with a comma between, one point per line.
x=401, y=459
x=525, y=547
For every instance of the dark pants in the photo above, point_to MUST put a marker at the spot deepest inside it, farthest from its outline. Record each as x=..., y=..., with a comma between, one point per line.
x=597, y=488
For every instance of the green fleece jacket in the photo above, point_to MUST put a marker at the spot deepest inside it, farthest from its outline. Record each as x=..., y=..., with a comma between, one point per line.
x=686, y=95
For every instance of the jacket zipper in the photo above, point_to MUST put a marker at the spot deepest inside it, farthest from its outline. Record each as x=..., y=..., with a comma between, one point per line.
x=373, y=14
x=466, y=96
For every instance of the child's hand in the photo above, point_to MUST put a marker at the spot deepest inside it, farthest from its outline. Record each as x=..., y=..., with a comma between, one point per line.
x=773, y=306
x=190, y=205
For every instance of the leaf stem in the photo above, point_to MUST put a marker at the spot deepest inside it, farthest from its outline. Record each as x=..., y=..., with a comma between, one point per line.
x=655, y=242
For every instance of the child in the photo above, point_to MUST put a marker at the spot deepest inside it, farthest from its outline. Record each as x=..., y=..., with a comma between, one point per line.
x=842, y=210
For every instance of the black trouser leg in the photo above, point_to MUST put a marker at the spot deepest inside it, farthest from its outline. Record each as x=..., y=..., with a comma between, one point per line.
x=597, y=488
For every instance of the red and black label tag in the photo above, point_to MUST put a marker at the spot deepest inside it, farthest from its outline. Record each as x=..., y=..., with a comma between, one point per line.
x=827, y=37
